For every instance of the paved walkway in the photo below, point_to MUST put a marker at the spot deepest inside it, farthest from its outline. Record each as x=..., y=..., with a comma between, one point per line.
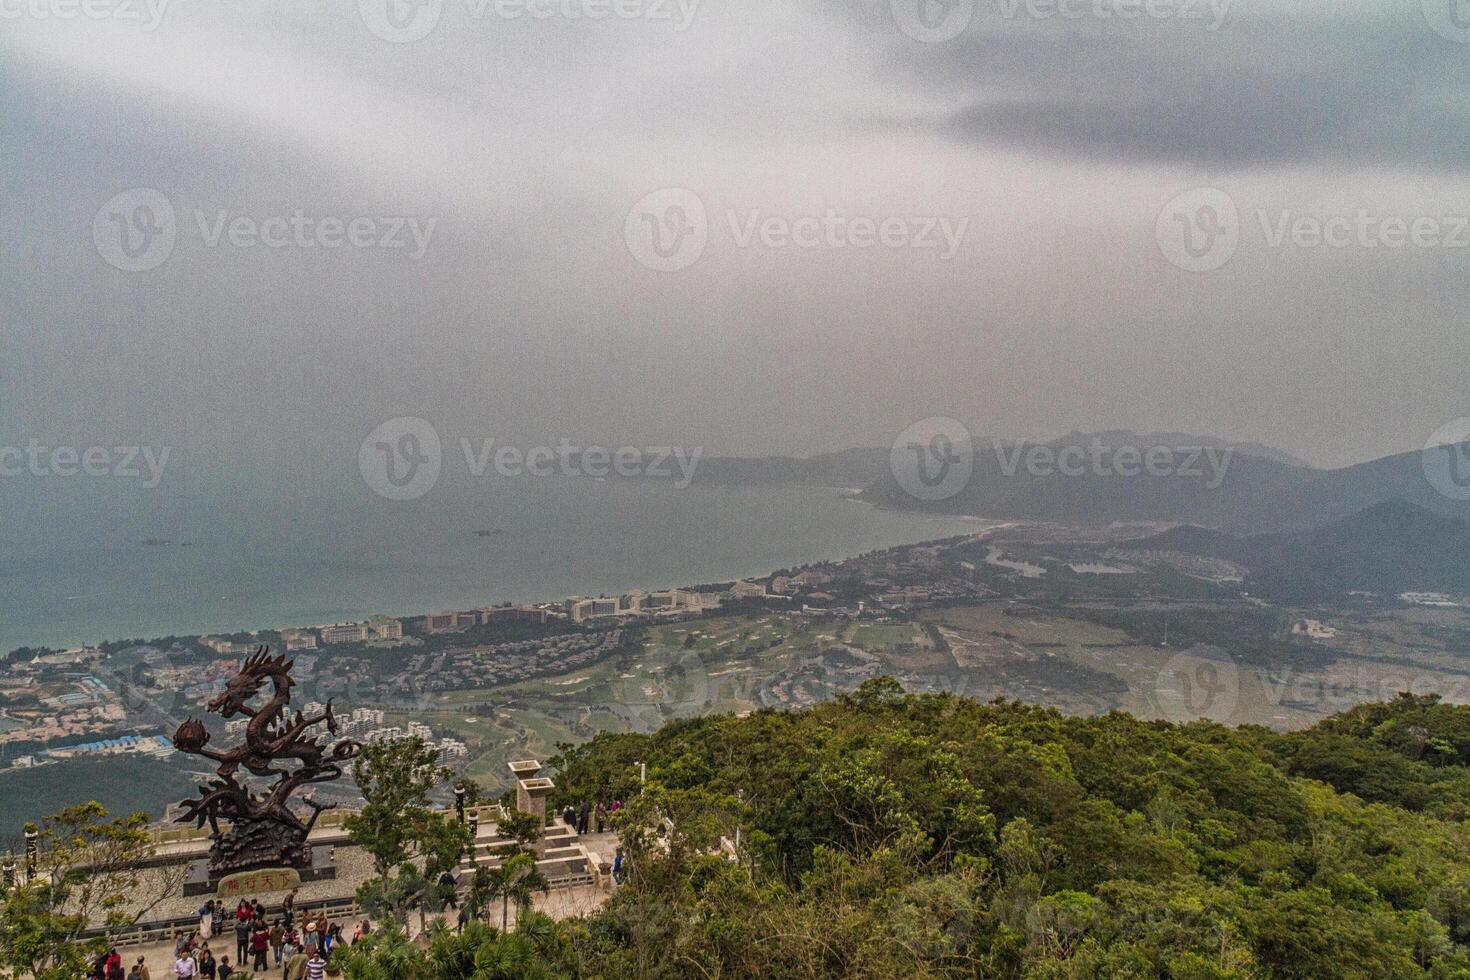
x=561, y=903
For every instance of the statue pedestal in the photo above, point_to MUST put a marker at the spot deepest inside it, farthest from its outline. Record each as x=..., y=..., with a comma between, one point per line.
x=260, y=881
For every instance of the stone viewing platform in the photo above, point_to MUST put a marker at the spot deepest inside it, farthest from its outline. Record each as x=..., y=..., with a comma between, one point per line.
x=573, y=864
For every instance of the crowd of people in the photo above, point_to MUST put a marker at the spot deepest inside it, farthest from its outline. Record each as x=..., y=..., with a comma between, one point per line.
x=300, y=950
x=589, y=817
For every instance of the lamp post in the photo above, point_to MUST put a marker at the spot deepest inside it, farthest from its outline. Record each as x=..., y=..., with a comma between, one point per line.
x=642, y=772
x=9, y=871
x=459, y=802
x=739, y=795
x=32, y=836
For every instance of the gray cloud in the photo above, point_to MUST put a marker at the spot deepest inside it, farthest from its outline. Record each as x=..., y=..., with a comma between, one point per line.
x=1266, y=88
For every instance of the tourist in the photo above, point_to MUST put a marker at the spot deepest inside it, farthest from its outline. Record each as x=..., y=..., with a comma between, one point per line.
x=141, y=969
x=569, y=817
x=185, y=968
x=316, y=967
x=242, y=932
x=206, y=919
x=296, y=966
x=278, y=939
x=619, y=870
x=313, y=937
x=136, y=972
x=243, y=911
x=601, y=816
x=225, y=970
x=260, y=944
x=584, y=813
x=206, y=964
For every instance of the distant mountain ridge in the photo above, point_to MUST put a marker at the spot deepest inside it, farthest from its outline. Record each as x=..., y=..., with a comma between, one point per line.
x=1259, y=489
x=1391, y=547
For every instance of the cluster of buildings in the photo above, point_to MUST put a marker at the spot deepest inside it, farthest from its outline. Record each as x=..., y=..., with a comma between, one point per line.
x=671, y=601
x=450, y=622
x=46, y=708
x=452, y=751
x=122, y=745
x=460, y=668
x=370, y=725
x=374, y=628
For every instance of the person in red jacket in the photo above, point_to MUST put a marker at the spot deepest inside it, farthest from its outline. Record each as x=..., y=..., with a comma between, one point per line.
x=260, y=944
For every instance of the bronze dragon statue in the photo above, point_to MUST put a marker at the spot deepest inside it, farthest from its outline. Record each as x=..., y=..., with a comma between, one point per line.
x=263, y=831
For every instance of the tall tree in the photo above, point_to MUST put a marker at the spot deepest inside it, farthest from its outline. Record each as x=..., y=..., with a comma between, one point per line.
x=89, y=877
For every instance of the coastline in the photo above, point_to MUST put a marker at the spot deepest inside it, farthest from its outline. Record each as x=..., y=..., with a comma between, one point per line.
x=379, y=587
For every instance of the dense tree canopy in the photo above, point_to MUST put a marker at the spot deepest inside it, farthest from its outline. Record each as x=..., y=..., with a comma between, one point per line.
x=930, y=835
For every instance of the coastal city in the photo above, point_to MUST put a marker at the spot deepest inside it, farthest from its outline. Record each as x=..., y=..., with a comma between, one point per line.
x=1015, y=610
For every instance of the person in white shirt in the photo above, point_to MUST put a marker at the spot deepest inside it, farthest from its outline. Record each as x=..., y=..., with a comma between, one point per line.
x=185, y=968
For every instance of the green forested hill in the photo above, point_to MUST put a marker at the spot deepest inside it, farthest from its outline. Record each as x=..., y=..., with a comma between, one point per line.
x=889, y=835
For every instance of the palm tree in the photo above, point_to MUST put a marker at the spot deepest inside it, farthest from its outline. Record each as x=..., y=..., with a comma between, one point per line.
x=517, y=880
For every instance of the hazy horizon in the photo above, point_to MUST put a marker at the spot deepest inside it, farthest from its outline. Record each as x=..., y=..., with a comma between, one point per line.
x=1042, y=158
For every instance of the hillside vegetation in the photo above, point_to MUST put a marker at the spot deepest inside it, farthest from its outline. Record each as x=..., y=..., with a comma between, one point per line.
x=889, y=835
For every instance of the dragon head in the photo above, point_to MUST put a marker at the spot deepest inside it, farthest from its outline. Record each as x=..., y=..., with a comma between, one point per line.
x=257, y=669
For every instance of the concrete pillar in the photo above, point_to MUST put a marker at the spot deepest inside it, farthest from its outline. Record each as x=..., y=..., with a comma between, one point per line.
x=531, y=796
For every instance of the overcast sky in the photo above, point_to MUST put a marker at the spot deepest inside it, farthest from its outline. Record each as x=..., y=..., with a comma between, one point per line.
x=1004, y=243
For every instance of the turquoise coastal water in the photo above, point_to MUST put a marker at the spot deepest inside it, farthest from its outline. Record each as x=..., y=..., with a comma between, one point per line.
x=214, y=565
